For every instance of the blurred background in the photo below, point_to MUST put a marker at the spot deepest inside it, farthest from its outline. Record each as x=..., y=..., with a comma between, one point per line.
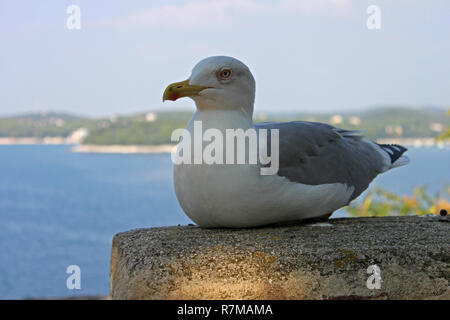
x=85, y=138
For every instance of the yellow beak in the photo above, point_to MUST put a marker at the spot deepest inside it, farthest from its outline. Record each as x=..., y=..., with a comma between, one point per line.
x=181, y=89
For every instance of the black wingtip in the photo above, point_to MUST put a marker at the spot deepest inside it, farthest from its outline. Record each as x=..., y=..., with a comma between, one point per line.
x=394, y=151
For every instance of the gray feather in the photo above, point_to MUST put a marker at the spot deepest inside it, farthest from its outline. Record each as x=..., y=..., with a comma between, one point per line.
x=317, y=153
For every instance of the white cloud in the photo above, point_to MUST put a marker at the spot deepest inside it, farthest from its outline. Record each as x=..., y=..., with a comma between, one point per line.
x=311, y=6
x=201, y=12
x=196, y=13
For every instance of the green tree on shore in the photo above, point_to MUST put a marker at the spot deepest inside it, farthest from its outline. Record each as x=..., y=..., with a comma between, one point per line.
x=446, y=134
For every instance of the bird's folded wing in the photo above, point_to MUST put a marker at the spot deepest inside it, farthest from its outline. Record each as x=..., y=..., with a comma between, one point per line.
x=316, y=153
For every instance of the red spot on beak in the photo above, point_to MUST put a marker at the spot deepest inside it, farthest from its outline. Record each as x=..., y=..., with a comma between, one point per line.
x=174, y=96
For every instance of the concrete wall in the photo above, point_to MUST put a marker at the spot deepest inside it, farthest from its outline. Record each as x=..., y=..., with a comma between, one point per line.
x=311, y=261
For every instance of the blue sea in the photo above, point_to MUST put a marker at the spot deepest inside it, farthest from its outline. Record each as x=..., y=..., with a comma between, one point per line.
x=59, y=208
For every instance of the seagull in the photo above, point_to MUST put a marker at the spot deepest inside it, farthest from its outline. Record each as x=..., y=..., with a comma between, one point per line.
x=321, y=168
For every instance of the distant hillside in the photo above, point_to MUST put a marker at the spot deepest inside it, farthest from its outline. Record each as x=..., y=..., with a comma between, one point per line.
x=155, y=128
x=146, y=129
x=446, y=134
x=43, y=124
x=386, y=122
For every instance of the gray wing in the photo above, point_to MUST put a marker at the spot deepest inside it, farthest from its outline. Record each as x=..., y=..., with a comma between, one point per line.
x=317, y=153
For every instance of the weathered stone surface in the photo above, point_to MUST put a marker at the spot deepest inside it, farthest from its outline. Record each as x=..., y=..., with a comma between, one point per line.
x=309, y=261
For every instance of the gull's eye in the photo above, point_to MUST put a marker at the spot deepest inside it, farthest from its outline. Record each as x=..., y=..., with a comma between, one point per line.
x=224, y=73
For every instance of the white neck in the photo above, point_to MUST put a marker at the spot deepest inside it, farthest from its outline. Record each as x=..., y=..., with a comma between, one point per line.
x=222, y=119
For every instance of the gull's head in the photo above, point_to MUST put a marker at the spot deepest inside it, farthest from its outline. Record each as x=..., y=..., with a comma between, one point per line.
x=217, y=83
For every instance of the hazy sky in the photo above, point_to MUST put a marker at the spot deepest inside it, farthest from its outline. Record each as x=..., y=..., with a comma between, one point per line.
x=306, y=55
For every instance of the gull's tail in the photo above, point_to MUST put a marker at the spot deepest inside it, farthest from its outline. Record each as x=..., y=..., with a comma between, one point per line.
x=395, y=153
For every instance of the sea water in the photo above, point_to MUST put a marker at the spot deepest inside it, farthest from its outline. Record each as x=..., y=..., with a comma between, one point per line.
x=59, y=208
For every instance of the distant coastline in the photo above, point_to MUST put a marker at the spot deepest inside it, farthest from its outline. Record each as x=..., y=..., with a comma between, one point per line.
x=88, y=148
x=122, y=149
x=148, y=132
x=34, y=140
x=167, y=148
x=415, y=142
